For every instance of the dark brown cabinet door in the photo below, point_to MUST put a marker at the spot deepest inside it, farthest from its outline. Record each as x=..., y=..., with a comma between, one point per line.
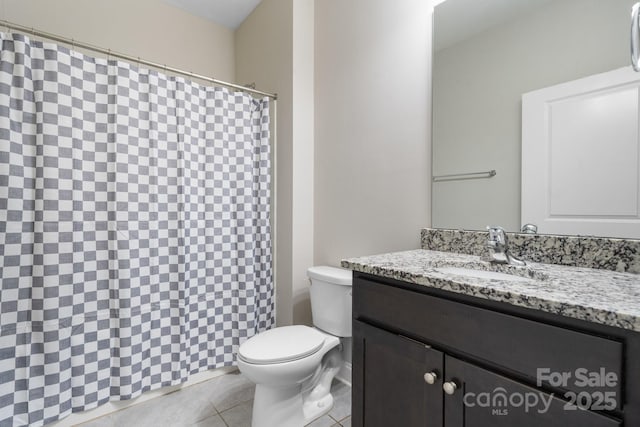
x=389, y=383
x=485, y=399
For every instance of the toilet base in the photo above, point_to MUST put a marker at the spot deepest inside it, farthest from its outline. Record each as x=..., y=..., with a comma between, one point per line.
x=318, y=400
x=317, y=408
x=299, y=404
x=285, y=407
x=277, y=406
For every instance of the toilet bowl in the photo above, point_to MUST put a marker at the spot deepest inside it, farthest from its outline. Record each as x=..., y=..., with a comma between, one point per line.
x=293, y=366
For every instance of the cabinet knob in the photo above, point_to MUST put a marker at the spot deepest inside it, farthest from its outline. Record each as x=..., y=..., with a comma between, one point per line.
x=450, y=387
x=430, y=377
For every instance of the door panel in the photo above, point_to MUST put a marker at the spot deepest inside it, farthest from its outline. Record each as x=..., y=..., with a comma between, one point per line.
x=581, y=156
x=486, y=399
x=391, y=371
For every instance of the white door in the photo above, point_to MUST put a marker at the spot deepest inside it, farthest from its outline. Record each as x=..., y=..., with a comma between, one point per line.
x=581, y=156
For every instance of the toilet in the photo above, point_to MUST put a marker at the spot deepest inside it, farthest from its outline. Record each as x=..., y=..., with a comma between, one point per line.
x=293, y=366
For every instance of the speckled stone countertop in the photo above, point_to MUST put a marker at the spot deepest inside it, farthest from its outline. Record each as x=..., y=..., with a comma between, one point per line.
x=605, y=253
x=600, y=296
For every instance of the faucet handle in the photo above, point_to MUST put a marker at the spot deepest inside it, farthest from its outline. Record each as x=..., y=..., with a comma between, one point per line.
x=498, y=247
x=497, y=235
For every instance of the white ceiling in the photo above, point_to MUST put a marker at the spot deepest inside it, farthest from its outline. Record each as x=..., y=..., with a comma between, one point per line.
x=228, y=13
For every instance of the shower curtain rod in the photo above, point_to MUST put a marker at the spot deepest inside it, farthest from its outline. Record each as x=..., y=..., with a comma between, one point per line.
x=138, y=60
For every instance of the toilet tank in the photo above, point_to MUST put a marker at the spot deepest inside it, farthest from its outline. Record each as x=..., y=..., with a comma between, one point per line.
x=331, y=299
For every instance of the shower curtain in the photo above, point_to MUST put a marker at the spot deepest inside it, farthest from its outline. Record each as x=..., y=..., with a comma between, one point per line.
x=135, y=242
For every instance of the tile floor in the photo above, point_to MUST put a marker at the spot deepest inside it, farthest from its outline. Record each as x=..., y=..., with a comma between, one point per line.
x=224, y=401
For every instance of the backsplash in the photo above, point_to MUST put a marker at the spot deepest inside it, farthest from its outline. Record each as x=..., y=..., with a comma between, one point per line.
x=621, y=255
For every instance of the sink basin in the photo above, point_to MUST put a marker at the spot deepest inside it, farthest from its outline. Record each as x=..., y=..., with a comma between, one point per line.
x=481, y=274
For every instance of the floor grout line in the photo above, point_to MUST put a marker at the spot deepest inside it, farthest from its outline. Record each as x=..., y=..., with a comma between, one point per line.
x=237, y=404
x=223, y=420
x=213, y=409
x=215, y=412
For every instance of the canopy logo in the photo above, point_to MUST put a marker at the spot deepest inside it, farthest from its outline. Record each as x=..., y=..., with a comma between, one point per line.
x=590, y=397
x=500, y=401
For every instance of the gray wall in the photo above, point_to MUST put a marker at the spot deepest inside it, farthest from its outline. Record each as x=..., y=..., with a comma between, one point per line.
x=151, y=29
x=477, y=89
x=274, y=49
x=372, y=162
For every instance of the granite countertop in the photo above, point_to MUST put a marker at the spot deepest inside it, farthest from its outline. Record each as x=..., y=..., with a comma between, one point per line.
x=599, y=296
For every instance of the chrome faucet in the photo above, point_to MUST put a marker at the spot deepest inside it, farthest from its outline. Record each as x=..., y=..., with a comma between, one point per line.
x=498, y=248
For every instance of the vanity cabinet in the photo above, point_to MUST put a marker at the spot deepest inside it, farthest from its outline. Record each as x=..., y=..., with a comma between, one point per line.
x=426, y=357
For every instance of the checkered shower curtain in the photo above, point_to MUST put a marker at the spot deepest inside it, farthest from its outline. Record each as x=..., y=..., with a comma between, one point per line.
x=135, y=242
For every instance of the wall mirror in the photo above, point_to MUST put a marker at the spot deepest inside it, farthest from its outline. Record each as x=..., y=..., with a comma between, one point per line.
x=487, y=55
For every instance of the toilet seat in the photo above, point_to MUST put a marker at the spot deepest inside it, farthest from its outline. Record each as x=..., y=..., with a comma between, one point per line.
x=282, y=344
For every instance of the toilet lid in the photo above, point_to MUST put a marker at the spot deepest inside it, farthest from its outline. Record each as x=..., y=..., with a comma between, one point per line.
x=281, y=344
